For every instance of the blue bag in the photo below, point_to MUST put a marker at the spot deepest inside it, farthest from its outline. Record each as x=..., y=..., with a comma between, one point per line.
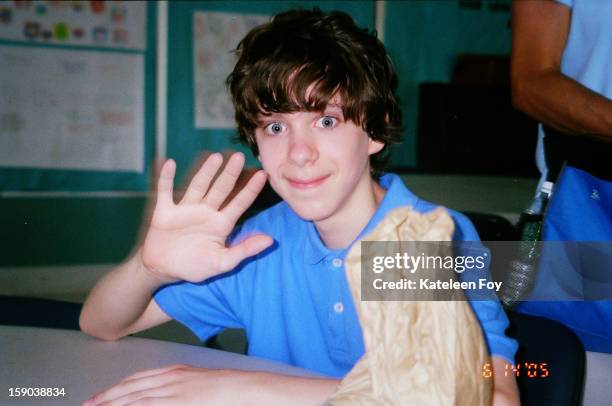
x=580, y=210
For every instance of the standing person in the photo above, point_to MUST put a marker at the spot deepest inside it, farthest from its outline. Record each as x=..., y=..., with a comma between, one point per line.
x=315, y=99
x=562, y=76
x=561, y=56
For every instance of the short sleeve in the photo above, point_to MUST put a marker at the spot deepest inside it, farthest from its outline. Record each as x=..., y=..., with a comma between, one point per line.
x=464, y=229
x=494, y=323
x=205, y=308
x=489, y=312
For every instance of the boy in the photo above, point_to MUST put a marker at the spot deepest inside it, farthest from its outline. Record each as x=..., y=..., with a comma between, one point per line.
x=314, y=98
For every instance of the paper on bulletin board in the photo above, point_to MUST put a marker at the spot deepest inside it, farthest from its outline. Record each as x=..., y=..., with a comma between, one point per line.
x=216, y=35
x=108, y=24
x=64, y=109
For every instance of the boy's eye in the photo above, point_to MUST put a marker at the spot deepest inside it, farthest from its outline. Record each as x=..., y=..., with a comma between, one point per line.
x=327, y=122
x=274, y=128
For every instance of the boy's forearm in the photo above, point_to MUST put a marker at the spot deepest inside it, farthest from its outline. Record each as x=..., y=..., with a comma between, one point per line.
x=187, y=385
x=118, y=300
x=296, y=390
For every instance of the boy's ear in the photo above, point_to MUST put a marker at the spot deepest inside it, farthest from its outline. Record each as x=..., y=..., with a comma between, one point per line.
x=375, y=146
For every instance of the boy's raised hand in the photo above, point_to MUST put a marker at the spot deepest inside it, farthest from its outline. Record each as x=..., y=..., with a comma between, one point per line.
x=186, y=241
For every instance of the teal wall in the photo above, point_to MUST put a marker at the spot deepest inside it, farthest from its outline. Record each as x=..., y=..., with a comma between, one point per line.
x=64, y=230
x=424, y=39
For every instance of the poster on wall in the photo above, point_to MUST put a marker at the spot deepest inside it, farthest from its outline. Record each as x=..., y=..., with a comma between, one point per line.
x=108, y=24
x=215, y=36
x=64, y=109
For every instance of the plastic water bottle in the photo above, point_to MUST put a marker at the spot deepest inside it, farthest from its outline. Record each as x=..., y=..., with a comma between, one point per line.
x=523, y=269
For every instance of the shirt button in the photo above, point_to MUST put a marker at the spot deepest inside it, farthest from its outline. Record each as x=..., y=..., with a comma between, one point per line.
x=337, y=262
x=338, y=307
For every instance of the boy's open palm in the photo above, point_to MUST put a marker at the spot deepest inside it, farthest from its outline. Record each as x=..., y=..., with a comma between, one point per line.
x=187, y=241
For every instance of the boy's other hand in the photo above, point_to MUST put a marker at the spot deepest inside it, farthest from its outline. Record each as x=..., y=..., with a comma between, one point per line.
x=187, y=241
x=185, y=385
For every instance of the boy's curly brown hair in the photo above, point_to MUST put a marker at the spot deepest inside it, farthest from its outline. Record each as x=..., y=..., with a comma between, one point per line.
x=301, y=60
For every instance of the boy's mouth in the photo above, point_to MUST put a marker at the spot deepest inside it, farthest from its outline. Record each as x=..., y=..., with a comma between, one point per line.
x=307, y=183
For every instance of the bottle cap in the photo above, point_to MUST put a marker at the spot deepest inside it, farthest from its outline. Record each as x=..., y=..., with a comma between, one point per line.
x=547, y=187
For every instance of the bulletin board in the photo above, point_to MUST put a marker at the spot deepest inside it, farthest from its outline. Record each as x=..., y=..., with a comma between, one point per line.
x=214, y=35
x=197, y=121
x=76, y=95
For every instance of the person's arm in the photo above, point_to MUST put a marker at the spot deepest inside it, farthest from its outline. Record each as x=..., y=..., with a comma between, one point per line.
x=120, y=304
x=185, y=385
x=185, y=241
x=505, y=390
x=539, y=34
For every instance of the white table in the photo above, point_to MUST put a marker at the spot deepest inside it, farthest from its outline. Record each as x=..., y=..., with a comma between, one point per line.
x=40, y=357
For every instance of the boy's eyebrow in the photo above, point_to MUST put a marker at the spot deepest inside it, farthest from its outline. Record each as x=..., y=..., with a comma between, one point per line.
x=270, y=114
x=335, y=109
x=333, y=106
x=262, y=116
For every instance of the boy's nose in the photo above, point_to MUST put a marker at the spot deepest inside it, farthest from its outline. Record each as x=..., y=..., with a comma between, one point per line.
x=302, y=151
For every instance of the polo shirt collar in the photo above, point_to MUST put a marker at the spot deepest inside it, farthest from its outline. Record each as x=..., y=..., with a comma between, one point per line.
x=397, y=195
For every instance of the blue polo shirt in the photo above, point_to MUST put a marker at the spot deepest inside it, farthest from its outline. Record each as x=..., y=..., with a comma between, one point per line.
x=294, y=300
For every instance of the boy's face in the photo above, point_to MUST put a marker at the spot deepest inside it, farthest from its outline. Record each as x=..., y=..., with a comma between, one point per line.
x=317, y=162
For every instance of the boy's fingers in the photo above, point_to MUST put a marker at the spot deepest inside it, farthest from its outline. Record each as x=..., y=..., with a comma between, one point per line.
x=130, y=388
x=247, y=248
x=165, y=183
x=201, y=181
x=243, y=200
x=153, y=401
x=153, y=372
x=137, y=397
x=225, y=182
